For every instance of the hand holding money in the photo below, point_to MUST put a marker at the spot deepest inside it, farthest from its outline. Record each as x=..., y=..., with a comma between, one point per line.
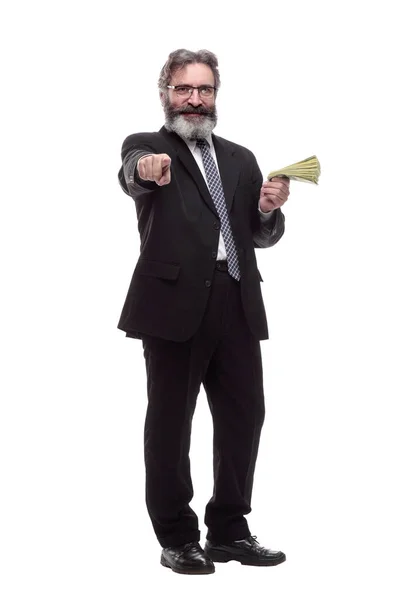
x=274, y=193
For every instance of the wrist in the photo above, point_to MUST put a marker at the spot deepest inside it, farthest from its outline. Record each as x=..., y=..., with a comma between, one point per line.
x=264, y=209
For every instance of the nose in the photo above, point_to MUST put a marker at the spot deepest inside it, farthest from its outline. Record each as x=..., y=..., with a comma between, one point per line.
x=195, y=99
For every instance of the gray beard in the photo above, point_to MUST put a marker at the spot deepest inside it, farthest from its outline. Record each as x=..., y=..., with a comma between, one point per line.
x=187, y=130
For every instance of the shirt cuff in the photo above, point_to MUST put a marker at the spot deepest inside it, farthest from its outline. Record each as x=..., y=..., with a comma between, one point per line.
x=265, y=216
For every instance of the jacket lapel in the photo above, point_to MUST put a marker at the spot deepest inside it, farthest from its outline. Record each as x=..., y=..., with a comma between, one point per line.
x=229, y=169
x=227, y=163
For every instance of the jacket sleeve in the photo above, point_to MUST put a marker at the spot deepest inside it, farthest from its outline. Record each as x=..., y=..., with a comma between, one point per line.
x=270, y=233
x=133, y=149
x=133, y=185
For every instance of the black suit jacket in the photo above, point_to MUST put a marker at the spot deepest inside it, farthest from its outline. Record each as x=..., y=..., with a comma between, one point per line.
x=179, y=230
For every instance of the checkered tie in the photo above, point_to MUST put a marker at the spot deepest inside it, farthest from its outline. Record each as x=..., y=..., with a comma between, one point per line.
x=217, y=194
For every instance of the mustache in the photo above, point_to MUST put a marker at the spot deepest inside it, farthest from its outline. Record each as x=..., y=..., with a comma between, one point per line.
x=199, y=110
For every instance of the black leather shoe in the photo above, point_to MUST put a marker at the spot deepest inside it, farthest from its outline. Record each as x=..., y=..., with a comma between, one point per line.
x=247, y=552
x=188, y=559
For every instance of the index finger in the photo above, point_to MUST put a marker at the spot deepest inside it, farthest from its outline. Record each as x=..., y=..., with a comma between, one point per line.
x=282, y=177
x=277, y=182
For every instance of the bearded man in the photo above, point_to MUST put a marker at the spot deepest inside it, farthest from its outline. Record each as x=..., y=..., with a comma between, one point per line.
x=195, y=302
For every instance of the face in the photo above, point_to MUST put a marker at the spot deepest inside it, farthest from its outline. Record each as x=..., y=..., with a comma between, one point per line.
x=192, y=117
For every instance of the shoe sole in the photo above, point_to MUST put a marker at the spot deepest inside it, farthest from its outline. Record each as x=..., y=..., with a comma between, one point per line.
x=222, y=557
x=184, y=571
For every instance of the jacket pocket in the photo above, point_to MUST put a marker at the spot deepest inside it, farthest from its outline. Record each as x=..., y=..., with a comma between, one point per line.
x=155, y=268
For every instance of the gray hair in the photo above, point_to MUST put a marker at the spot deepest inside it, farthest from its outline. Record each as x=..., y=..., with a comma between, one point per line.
x=182, y=57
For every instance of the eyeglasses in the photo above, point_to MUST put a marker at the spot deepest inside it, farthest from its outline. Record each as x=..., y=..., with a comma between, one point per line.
x=205, y=91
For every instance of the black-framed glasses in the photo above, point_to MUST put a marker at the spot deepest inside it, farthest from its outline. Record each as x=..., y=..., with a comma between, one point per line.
x=205, y=91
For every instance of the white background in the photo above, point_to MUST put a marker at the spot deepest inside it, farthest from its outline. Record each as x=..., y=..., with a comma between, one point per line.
x=298, y=78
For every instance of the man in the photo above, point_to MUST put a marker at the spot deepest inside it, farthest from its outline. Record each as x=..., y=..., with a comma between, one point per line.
x=195, y=302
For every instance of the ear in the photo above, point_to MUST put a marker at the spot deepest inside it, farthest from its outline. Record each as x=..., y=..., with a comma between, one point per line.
x=162, y=98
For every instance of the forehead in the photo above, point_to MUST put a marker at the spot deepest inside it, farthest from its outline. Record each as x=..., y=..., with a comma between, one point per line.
x=194, y=74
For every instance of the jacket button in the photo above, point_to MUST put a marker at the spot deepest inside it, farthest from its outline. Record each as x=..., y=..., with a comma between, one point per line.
x=216, y=225
x=207, y=283
x=214, y=255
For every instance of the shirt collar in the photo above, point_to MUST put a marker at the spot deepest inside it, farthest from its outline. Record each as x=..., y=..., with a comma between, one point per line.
x=192, y=143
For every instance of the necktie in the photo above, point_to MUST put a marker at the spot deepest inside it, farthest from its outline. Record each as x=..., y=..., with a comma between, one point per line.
x=217, y=194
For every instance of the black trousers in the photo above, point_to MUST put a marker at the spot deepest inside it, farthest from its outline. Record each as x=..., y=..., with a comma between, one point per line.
x=226, y=357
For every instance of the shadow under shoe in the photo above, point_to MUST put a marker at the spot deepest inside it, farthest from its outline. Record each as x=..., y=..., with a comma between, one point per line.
x=247, y=552
x=188, y=559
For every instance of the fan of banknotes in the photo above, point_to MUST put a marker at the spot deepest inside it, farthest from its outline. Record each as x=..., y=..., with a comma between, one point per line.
x=307, y=170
